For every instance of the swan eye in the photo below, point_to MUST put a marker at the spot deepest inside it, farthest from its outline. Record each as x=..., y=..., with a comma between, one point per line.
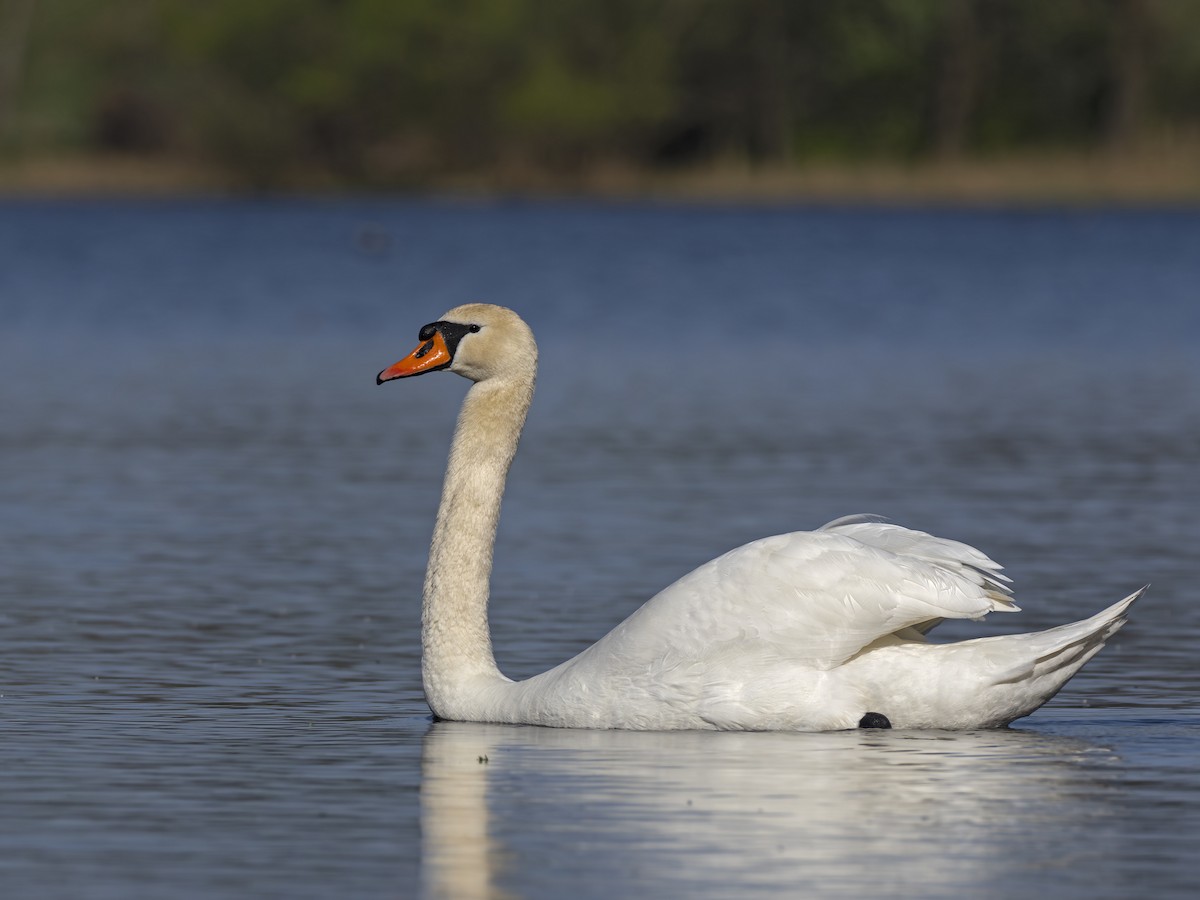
x=474, y=329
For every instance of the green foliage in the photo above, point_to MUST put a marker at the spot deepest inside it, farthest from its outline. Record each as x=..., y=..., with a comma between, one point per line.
x=389, y=91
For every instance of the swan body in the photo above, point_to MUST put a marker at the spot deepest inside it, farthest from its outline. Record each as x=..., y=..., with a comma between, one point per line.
x=810, y=631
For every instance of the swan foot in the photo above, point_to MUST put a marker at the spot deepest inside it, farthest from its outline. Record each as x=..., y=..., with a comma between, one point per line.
x=874, y=720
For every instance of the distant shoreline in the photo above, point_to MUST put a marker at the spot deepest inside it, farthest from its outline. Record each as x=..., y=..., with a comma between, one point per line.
x=1169, y=176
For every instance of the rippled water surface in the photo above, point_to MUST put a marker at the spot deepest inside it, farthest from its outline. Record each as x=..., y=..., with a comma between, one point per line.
x=213, y=530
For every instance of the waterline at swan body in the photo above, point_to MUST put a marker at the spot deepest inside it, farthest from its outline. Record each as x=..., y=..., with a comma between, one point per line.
x=809, y=631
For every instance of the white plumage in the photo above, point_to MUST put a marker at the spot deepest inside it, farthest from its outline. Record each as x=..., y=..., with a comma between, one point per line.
x=808, y=631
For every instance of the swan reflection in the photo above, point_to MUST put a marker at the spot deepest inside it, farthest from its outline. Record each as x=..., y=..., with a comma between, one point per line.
x=616, y=813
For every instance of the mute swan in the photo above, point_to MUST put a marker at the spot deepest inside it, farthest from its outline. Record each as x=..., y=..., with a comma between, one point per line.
x=811, y=631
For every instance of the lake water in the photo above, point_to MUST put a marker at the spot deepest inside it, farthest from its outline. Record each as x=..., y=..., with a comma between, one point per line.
x=213, y=529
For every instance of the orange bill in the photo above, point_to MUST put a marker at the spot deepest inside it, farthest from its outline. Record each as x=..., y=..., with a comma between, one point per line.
x=432, y=354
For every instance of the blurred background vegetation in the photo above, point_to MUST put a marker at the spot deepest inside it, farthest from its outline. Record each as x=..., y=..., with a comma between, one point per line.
x=500, y=94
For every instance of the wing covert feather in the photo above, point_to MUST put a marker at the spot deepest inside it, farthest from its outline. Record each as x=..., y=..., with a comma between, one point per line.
x=816, y=598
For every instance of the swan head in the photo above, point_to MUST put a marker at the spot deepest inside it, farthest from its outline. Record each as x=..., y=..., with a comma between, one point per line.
x=477, y=340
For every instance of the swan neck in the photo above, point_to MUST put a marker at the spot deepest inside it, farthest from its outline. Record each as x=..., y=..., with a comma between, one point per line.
x=457, y=660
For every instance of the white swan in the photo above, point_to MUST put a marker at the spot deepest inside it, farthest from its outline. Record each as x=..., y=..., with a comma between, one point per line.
x=811, y=631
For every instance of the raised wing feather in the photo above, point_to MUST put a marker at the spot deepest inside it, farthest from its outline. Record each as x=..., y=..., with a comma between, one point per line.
x=963, y=558
x=813, y=598
x=875, y=532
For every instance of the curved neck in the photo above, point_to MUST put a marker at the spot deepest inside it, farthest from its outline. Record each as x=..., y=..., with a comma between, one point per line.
x=457, y=660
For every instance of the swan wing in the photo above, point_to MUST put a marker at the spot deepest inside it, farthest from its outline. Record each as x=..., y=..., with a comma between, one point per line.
x=875, y=531
x=813, y=598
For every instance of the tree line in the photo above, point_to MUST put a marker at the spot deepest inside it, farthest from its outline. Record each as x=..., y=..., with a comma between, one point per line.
x=390, y=92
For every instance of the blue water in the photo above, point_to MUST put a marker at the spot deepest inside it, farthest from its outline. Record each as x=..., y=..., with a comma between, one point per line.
x=213, y=528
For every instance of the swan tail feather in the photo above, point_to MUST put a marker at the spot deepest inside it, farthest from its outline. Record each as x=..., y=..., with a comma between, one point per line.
x=1039, y=664
x=1056, y=648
